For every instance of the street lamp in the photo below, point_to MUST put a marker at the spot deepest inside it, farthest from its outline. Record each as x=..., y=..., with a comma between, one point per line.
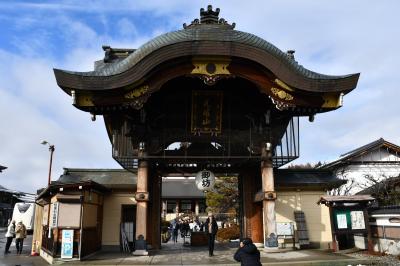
x=51, y=149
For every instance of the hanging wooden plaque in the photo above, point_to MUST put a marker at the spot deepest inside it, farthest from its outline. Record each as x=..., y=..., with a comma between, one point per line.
x=206, y=112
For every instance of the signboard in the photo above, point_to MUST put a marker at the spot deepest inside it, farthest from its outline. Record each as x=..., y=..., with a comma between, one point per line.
x=205, y=180
x=54, y=217
x=357, y=220
x=67, y=244
x=284, y=229
x=341, y=221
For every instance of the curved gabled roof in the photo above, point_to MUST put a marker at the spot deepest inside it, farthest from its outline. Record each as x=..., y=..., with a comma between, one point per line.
x=206, y=33
x=207, y=38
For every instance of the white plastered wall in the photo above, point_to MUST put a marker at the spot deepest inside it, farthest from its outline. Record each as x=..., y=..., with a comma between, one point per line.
x=363, y=165
x=112, y=216
x=317, y=216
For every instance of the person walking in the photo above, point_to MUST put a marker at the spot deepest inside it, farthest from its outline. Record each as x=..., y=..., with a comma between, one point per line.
x=20, y=235
x=175, y=229
x=211, y=227
x=10, y=234
x=247, y=254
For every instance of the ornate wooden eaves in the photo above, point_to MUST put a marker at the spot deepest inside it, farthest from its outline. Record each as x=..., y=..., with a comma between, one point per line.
x=210, y=70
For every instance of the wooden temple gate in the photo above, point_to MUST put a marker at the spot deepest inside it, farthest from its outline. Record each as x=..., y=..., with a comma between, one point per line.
x=227, y=99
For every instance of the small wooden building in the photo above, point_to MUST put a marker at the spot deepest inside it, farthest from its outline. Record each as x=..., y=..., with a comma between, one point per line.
x=349, y=219
x=93, y=203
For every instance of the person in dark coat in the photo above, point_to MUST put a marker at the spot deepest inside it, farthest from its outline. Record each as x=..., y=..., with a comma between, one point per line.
x=247, y=254
x=175, y=229
x=211, y=227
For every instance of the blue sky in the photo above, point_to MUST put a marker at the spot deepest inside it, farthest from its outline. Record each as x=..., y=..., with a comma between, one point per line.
x=330, y=37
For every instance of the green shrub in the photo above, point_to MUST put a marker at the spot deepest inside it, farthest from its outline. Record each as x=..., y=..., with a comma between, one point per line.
x=164, y=226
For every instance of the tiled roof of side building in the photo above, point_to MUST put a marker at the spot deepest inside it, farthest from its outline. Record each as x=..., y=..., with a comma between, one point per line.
x=385, y=210
x=363, y=149
x=110, y=178
x=321, y=178
x=346, y=199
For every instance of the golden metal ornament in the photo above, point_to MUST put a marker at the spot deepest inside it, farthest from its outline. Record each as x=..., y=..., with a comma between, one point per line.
x=84, y=100
x=135, y=93
x=281, y=94
x=283, y=85
x=332, y=100
x=211, y=66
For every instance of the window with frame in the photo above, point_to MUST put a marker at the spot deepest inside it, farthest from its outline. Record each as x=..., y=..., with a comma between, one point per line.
x=202, y=206
x=186, y=206
x=171, y=206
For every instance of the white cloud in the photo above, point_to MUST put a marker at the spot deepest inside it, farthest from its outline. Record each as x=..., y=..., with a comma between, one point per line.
x=333, y=37
x=33, y=108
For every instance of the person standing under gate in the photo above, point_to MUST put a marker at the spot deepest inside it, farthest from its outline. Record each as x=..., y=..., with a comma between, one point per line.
x=175, y=229
x=20, y=235
x=211, y=227
x=10, y=234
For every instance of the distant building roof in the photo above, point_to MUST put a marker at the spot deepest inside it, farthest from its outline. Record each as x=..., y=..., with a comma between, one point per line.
x=21, y=196
x=110, y=178
x=2, y=168
x=321, y=179
x=377, y=144
x=385, y=210
x=59, y=186
x=180, y=189
x=311, y=178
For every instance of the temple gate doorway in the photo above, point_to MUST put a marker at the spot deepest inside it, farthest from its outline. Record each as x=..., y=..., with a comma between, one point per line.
x=231, y=99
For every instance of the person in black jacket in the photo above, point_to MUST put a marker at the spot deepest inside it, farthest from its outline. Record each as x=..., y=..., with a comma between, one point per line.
x=211, y=227
x=247, y=254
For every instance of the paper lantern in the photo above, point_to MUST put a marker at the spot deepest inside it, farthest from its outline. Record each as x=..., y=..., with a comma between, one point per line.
x=205, y=180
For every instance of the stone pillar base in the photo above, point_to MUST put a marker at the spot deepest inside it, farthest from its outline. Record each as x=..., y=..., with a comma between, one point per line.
x=271, y=249
x=140, y=252
x=259, y=245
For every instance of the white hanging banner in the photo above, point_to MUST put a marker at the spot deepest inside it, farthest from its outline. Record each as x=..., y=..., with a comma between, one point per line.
x=205, y=180
x=67, y=244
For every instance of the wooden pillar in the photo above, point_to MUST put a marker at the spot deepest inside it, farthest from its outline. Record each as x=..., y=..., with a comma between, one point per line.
x=177, y=208
x=368, y=227
x=196, y=208
x=142, y=197
x=164, y=209
x=247, y=204
x=154, y=204
x=335, y=245
x=267, y=174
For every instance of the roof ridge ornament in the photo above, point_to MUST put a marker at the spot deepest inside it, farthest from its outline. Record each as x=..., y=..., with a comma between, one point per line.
x=209, y=16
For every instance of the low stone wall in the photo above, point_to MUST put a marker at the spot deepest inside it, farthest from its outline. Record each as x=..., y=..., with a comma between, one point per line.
x=381, y=245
